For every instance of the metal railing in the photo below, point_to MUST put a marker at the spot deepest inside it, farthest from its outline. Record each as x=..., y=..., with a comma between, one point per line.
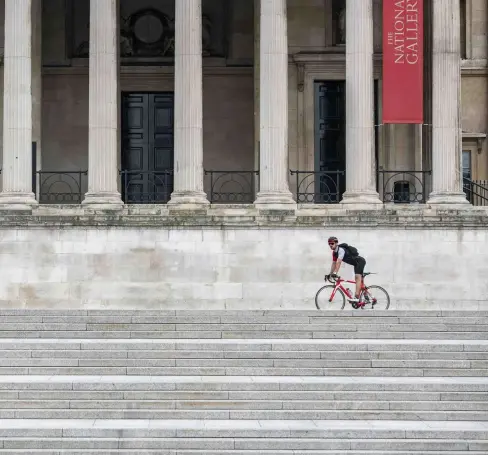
x=403, y=187
x=61, y=187
x=146, y=187
x=318, y=187
x=232, y=187
x=476, y=191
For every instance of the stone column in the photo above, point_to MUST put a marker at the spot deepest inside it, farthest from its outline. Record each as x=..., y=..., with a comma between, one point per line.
x=37, y=85
x=446, y=104
x=17, y=107
x=188, y=141
x=103, y=111
x=273, y=106
x=360, y=165
x=257, y=16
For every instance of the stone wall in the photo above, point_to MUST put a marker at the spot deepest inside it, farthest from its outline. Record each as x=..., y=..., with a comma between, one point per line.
x=237, y=260
x=227, y=116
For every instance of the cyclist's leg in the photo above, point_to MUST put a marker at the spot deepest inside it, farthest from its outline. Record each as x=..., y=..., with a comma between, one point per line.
x=358, y=273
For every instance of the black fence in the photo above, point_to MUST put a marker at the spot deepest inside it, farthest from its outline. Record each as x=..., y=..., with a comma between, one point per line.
x=318, y=187
x=241, y=187
x=232, y=187
x=149, y=187
x=60, y=187
x=403, y=187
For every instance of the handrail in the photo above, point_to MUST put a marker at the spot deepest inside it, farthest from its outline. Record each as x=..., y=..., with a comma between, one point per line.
x=476, y=192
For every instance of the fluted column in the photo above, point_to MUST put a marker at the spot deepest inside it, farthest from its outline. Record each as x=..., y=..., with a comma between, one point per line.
x=17, y=107
x=188, y=140
x=360, y=165
x=446, y=104
x=273, y=106
x=37, y=85
x=103, y=111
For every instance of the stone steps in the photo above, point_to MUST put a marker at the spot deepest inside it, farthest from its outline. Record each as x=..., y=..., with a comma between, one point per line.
x=233, y=452
x=251, y=436
x=244, y=325
x=243, y=399
x=276, y=357
x=242, y=383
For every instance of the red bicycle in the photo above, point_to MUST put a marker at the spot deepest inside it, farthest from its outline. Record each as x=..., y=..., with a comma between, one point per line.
x=371, y=297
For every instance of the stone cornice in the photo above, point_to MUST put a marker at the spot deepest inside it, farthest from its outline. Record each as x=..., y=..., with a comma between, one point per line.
x=246, y=217
x=474, y=67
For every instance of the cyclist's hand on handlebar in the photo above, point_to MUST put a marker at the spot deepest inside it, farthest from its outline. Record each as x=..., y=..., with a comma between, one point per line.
x=326, y=277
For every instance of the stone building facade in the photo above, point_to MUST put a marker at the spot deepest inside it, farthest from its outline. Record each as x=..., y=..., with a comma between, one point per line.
x=197, y=151
x=309, y=105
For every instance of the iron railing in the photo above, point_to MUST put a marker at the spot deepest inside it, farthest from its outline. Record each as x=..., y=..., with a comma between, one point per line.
x=232, y=187
x=61, y=187
x=147, y=187
x=403, y=187
x=318, y=187
x=476, y=191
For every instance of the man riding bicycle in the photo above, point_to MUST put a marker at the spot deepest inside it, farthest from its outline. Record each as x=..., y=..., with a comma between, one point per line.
x=349, y=255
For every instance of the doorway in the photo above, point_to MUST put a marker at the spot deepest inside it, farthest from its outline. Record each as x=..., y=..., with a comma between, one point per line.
x=147, y=147
x=330, y=141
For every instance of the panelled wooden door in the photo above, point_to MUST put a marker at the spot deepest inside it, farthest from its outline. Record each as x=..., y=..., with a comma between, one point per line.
x=147, y=147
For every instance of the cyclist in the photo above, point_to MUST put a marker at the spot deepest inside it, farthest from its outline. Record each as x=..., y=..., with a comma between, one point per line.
x=345, y=253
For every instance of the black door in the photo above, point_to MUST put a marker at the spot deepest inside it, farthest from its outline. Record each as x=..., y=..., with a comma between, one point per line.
x=330, y=141
x=147, y=147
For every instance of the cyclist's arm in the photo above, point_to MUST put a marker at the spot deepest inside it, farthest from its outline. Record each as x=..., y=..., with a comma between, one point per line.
x=336, y=265
x=332, y=267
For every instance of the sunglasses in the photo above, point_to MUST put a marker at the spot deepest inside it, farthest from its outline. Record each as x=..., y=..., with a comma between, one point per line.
x=331, y=243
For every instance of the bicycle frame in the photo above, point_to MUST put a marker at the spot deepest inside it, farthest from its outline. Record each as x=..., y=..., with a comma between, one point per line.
x=338, y=285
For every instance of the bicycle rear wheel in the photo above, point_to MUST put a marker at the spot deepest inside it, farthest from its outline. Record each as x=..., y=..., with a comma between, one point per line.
x=375, y=298
x=324, y=300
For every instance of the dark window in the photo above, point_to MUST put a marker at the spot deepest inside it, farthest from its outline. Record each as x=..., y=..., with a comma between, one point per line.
x=464, y=18
x=467, y=164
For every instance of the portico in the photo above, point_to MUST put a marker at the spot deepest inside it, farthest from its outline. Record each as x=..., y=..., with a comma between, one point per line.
x=176, y=139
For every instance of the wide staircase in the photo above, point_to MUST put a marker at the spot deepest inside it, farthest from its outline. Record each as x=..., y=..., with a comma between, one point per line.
x=248, y=382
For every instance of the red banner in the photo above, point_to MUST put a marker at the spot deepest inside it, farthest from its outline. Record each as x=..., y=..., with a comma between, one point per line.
x=403, y=61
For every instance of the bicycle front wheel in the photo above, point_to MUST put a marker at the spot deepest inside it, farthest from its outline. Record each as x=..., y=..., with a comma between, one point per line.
x=375, y=298
x=325, y=301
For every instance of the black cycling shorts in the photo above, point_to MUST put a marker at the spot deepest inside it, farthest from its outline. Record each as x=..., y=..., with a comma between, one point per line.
x=360, y=264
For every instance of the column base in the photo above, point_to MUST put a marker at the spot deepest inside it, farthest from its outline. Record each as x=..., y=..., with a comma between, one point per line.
x=103, y=201
x=448, y=198
x=188, y=201
x=275, y=200
x=17, y=201
x=361, y=200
